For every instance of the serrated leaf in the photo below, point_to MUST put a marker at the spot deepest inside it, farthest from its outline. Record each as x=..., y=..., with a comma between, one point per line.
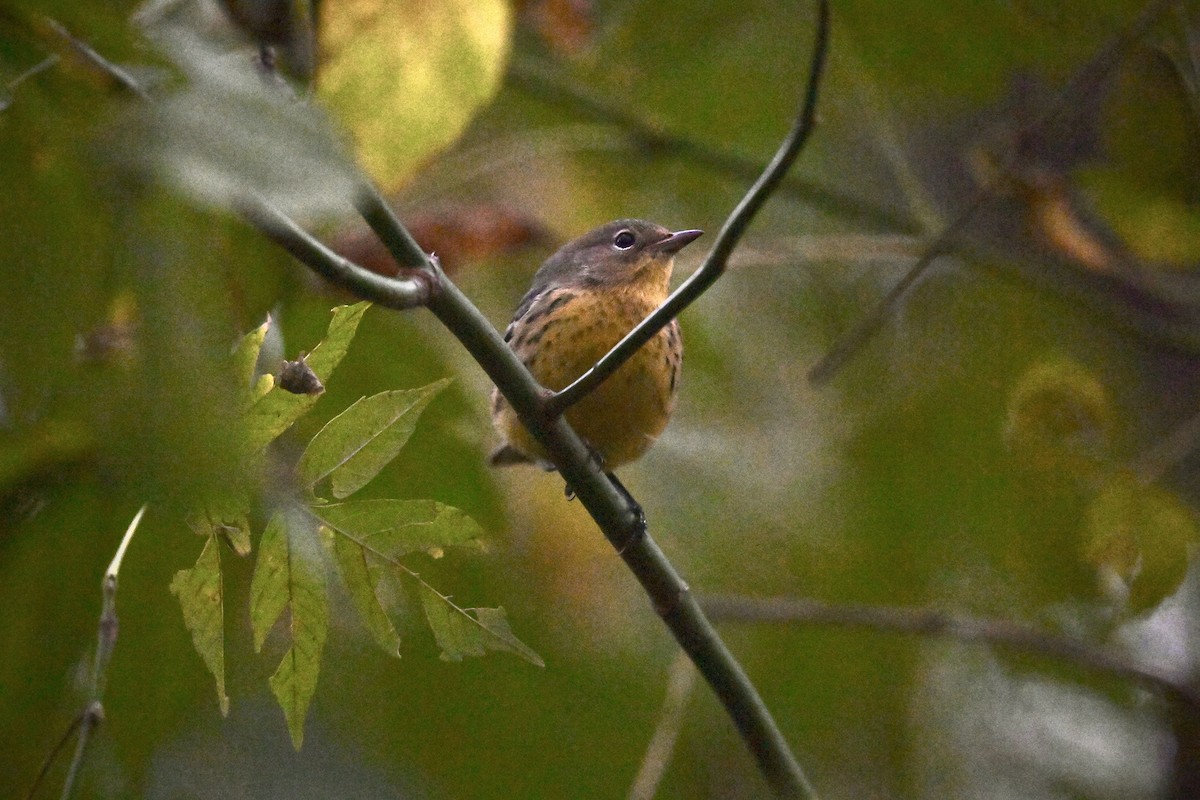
x=295, y=681
x=365, y=575
x=202, y=600
x=393, y=528
x=459, y=633
x=269, y=586
x=225, y=515
x=290, y=575
x=275, y=411
x=245, y=358
x=355, y=445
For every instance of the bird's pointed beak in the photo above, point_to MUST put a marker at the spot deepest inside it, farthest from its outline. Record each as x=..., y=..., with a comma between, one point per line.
x=677, y=241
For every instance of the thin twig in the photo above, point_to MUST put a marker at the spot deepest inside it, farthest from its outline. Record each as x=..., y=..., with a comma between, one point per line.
x=106, y=639
x=681, y=679
x=1084, y=82
x=119, y=75
x=670, y=595
x=52, y=756
x=37, y=69
x=731, y=233
x=409, y=291
x=929, y=622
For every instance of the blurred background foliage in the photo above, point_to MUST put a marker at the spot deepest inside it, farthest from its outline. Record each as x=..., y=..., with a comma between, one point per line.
x=1018, y=441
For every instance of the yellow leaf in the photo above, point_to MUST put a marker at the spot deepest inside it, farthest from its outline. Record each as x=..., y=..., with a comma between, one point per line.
x=406, y=76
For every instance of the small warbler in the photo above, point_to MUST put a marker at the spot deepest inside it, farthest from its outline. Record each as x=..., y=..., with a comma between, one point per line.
x=584, y=299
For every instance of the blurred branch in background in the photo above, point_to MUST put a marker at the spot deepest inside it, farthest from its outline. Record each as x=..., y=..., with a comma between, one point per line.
x=1086, y=82
x=92, y=714
x=959, y=627
x=681, y=679
x=549, y=85
x=97, y=64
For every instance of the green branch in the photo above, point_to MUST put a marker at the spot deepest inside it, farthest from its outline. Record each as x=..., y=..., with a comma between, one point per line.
x=87, y=720
x=668, y=592
x=731, y=233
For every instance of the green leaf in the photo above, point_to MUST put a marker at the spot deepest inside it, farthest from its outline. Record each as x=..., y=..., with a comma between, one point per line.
x=393, y=528
x=366, y=577
x=1142, y=533
x=245, y=358
x=225, y=515
x=290, y=575
x=356, y=444
x=276, y=410
x=460, y=633
x=269, y=586
x=200, y=596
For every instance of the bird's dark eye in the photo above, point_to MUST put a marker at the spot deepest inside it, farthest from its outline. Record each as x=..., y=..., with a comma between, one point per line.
x=624, y=240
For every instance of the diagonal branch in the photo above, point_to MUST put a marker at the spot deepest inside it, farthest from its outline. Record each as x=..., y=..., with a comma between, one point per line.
x=669, y=593
x=1086, y=80
x=731, y=233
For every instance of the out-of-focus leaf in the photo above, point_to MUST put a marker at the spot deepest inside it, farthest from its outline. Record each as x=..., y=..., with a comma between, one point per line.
x=1060, y=418
x=393, y=528
x=202, y=600
x=1159, y=228
x=275, y=411
x=406, y=77
x=460, y=633
x=1142, y=533
x=245, y=358
x=365, y=576
x=233, y=132
x=355, y=445
x=291, y=576
x=25, y=452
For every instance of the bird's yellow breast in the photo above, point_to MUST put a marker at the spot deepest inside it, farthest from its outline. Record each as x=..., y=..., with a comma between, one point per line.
x=565, y=333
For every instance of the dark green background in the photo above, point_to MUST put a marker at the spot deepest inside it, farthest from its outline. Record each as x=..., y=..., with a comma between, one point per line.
x=912, y=479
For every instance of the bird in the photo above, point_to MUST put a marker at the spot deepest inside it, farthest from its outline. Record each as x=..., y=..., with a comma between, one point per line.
x=583, y=300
